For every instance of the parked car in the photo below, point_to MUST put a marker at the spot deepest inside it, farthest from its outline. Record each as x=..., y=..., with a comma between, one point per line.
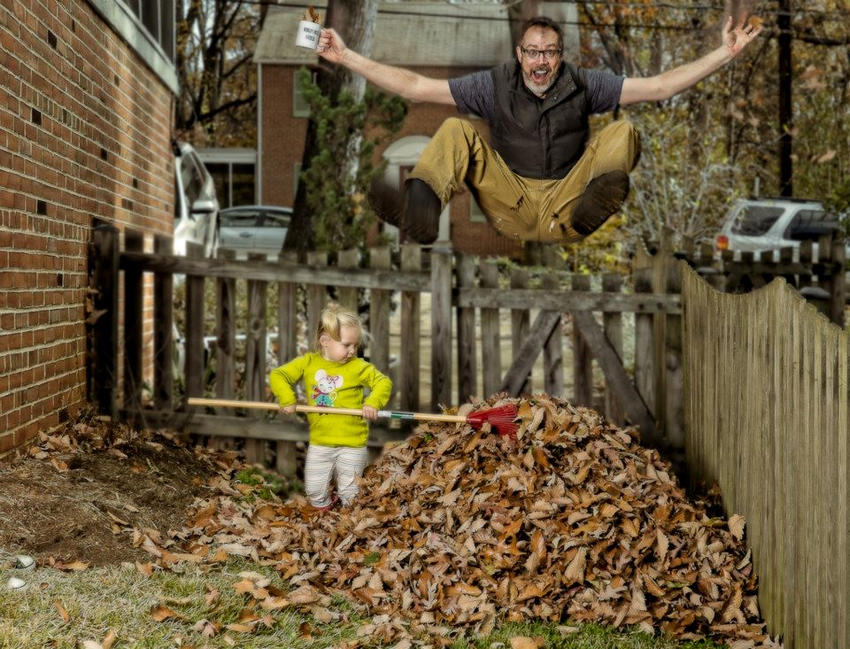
x=196, y=205
x=759, y=224
x=253, y=229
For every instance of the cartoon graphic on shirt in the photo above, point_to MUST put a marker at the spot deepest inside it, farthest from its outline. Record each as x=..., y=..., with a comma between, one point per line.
x=324, y=391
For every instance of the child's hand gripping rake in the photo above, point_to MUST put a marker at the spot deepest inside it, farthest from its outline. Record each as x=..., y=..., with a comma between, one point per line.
x=501, y=419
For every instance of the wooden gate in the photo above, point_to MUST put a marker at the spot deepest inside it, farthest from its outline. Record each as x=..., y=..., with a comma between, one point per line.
x=441, y=306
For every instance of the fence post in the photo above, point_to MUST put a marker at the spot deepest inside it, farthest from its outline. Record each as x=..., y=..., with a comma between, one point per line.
x=348, y=295
x=255, y=356
x=163, y=325
x=316, y=296
x=582, y=358
x=225, y=344
x=491, y=347
x=411, y=312
x=644, y=346
x=104, y=319
x=379, y=314
x=673, y=408
x=612, y=324
x=287, y=316
x=287, y=346
x=553, y=349
x=194, y=345
x=520, y=322
x=467, y=370
x=225, y=340
x=134, y=241
x=836, y=282
x=441, y=325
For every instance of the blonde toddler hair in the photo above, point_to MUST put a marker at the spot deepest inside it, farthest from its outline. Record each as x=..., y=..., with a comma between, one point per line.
x=333, y=318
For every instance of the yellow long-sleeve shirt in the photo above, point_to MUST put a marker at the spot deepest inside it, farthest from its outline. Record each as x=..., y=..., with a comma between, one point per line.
x=336, y=385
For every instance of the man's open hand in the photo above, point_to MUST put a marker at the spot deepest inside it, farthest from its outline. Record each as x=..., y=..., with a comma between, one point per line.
x=737, y=37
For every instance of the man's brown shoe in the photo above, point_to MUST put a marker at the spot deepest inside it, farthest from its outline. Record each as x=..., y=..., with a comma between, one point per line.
x=602, y=197
x=416, y=212
x=422, y=207
x=387, y=201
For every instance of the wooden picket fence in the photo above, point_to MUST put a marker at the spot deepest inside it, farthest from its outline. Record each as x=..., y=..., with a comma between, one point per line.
x=767, y=418
x=467, y=298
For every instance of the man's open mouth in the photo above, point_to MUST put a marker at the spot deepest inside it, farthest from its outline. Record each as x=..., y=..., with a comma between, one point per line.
x=540, y=74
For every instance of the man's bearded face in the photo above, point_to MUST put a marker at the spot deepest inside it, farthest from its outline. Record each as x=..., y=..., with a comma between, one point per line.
x=539, y=56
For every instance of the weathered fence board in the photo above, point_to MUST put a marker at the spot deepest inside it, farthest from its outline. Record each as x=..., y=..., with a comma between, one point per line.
x=520, y=322
x=411, y=314
x=467, y=365
x=194, y=335
x=104, y=318
x=553, y=350
x=491, y=344
x=163, y=338
x=133, y=306
x=582, y=357
x=441, y=328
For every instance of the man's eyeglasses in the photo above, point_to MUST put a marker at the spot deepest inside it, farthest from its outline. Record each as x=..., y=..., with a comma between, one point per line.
x=536, y=54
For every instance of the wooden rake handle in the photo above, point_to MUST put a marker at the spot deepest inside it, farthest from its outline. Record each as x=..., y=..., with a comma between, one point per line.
x=263, y=405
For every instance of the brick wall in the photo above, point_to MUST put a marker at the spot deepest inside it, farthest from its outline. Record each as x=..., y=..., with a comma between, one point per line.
x=84, y=134
x=283, y=146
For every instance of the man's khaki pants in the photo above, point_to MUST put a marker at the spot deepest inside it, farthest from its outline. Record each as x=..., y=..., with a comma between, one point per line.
x=521, y=208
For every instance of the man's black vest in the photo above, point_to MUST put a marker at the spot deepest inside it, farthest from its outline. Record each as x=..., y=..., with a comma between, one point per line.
x=539, y=138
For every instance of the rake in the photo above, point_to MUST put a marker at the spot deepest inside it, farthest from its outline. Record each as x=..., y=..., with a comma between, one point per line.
x=501, y=418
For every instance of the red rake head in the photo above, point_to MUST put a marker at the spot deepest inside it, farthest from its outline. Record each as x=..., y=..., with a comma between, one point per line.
x=501, y=420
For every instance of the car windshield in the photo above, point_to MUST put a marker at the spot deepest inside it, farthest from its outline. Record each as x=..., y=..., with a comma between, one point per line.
x=253, y=219
x=754, y=220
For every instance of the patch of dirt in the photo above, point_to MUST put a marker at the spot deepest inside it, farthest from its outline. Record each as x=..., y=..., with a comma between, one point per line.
x=73, y=495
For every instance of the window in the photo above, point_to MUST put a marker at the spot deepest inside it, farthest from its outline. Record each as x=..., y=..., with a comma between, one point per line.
x=147, y=26
x=756, y=219
x=232, y=169
x=476, y=214
x=809, y=225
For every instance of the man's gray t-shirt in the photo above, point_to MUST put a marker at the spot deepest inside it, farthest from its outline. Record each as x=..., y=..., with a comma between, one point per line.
x=475, y=92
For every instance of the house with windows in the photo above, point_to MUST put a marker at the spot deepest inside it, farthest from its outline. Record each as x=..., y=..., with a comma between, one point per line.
x=436, y=39
x=88, y=94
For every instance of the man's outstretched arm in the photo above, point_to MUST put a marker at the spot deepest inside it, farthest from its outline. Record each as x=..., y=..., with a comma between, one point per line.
x=671, y=82
x=398, y=81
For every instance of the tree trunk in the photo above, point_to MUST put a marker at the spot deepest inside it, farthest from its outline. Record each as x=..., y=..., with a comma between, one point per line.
x=354, y=20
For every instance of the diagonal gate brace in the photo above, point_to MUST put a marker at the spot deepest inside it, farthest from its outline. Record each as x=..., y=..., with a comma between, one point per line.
x=615, y=375
x=529, y=351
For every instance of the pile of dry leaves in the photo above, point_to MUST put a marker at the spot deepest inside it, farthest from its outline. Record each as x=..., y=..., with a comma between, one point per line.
x=454, y=528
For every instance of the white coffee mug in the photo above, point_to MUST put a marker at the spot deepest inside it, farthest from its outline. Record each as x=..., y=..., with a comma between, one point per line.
x=308, y=34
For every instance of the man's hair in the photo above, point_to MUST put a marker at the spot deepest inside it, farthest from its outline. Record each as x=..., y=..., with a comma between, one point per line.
x=546, y=22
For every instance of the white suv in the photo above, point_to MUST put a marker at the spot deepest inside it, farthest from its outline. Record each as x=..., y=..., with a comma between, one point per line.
x=196, y=206
x=757, y=224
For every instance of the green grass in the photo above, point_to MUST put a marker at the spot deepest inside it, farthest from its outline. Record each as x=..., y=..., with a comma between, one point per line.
x=120, y=599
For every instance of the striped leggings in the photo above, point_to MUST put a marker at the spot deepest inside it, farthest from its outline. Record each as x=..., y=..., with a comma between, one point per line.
x=323, y=462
